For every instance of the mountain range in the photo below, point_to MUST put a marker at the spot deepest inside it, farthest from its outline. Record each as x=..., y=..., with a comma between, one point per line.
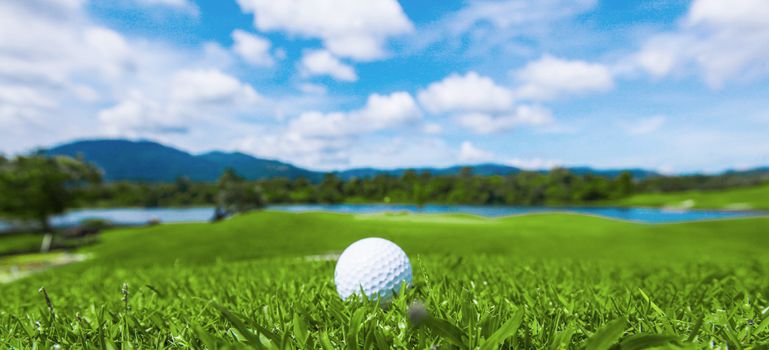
x=153, y=162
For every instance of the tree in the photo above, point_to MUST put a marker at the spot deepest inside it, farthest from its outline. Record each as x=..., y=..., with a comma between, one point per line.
x=330, y=190
x=35, y=187
x=237, y=195
x=625, y=184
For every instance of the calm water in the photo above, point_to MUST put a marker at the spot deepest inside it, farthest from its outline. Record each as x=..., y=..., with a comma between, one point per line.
x=647, y=215
x=135, y=216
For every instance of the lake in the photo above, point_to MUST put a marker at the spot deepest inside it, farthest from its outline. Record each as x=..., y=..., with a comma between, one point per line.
x=137, y=216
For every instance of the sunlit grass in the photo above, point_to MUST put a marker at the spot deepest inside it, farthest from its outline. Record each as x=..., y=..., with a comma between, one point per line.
x=543, y=281
x=730, y=199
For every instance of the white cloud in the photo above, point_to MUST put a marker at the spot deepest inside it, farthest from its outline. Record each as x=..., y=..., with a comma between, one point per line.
x=329, y=140
x=348, y=28
x=52, y=49
x=551, y=77
x=718, y=40
x=508, y=14
x=510, y=27
x=480, y=105
x=64, y=76
x=137, y=115
x=211, y=86
x=322, y=62
x=522, y=115
x=463, y=93
x=380, y=112
x=69, y=48
x=310, y=88
x=297, y=148
x=645, y=125
x=469, y=153
x=190, y=95
x=432, y=129
x=22, y=104
x=407, y=151
x=252, y=48
x=533, y=163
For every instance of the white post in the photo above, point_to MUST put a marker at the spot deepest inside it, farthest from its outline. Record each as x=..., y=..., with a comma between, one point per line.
x=46, y=245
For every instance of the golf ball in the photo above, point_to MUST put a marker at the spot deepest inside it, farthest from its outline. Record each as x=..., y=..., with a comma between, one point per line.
x=375, y=265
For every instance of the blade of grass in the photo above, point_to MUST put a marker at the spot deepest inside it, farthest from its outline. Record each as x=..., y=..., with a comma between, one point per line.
x=251, y=338
x=507, y=330
x=606, y=336
x=645, y=341
x=447, y=330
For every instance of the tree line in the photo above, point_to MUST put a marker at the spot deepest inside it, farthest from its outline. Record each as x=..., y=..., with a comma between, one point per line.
x=558, y=187
x=35, y=187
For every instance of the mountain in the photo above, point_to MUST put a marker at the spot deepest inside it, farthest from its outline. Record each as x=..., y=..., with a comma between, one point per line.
x=478, y=169
x=492, y=169
x=256, y=168
x=153, y=162
x=636, y=172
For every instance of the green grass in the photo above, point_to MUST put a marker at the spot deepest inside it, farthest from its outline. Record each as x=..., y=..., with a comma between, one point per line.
x=733, y=199
x=538, y=281
x=19, y=242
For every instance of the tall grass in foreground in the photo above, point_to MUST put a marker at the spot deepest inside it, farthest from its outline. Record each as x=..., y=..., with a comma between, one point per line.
x=705, y=285
x=293, y=304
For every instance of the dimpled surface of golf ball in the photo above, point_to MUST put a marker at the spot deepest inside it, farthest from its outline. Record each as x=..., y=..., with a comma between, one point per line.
x=375, y=265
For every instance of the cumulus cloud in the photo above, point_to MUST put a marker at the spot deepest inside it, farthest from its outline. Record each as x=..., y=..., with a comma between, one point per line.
x=322, y=62
x=469, y=153
x=69, y=48
x=509, y=26
x=191, y=94
x=404, y=151
x=645, y=125
x=518, y=14
x=211, y=86
x=136, y=115
x=310, y=88
x=348, y=28
x=54, y=65
x=551, y=77
x=252, y=48
x=480, y=105
x=522, y=115
x=432, y=128
x=380, y=112
x=533, y=163
x=718, y=40
x=300, y=149
x=469, y=92
x=65, y=76
x=327, y=140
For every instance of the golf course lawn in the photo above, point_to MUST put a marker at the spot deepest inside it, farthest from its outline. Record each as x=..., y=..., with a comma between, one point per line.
x=731, y=199
x=544, y=281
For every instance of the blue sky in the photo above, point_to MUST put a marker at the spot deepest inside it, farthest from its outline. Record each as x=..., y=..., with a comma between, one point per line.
x=675, y=86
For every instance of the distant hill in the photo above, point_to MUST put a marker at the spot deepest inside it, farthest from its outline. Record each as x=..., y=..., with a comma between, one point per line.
x=478, y=169
x=256, y=168
x=636, y=172
x=492, y=169
x=153, y=162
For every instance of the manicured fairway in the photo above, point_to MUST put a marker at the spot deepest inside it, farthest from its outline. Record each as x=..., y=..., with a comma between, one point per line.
x=733, y=199
x=538, y=281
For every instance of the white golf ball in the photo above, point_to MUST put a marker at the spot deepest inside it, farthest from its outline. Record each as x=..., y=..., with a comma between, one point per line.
x=375, y=265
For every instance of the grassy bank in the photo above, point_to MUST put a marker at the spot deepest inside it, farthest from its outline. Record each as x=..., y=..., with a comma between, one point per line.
x=19, y=242
x=731, y=199
x=573, y=281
